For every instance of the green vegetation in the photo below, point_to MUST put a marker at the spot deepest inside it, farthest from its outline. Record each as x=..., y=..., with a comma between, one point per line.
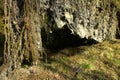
x=100, y=61
x=1, y=26
x=96, y=62
x=117, y=3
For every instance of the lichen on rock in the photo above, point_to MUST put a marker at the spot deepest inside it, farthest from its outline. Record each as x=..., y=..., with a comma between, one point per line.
x=90, y=19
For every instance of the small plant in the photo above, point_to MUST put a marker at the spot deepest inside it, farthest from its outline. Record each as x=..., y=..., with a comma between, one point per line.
x=26, y=66
x=86, y=65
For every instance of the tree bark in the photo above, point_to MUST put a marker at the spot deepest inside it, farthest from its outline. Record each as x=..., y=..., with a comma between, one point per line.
x=22, y=33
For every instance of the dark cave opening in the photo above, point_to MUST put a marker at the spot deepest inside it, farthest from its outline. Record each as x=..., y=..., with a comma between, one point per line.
x=62, y=38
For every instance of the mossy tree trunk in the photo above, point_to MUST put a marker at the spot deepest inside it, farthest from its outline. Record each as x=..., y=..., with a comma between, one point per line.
x=22, y=33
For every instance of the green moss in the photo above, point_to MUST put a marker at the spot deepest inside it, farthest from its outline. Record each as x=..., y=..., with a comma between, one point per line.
x=86, y=65
x=116, y=61
x=116, y=3
x=26, y=66
x=1, y=25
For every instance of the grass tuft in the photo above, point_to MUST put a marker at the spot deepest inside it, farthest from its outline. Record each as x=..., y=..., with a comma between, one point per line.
x=99, y=61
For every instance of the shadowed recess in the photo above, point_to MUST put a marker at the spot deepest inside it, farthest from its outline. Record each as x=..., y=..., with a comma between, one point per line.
x=63, y=38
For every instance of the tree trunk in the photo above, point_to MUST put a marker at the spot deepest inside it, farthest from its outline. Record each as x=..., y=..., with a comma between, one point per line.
x=22, y=33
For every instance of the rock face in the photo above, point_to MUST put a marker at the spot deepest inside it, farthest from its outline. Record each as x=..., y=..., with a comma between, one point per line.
x=90, y=19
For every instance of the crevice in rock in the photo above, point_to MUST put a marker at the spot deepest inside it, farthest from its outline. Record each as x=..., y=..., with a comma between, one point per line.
x=118, y=29
x=2, y=39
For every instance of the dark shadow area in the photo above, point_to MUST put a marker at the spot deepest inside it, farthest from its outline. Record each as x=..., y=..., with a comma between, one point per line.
x=66, y=52
x=2, y=36
x=118, y=29
x=20, y=4
x=1, y=11
x=2, y=39
x=27, y=61
x=62, y=38
x=64, y=65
